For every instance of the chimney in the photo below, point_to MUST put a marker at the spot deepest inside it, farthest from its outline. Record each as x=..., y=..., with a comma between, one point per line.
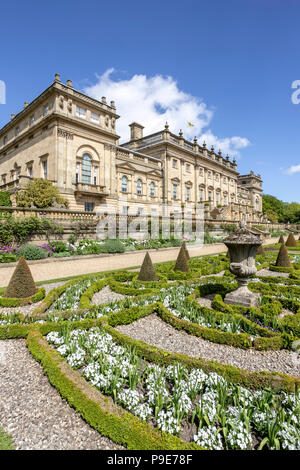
x=136, y=131
x=69, y=83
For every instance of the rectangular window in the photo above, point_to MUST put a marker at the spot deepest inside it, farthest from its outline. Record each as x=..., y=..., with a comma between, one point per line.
x=95, y=117
x=188, y=193
x=200, y=171
x=174, y=163
x=140, y=211
x=88, y=206
x=77, y=173
x=46, y=110
x=45, y=169
x=201, y=195
x=80, y=112
x=217, y=198
x=95, y=176
x=174, y=191
x=209, y=195
x=31, y=121
x=188, y=168
x=30, y=171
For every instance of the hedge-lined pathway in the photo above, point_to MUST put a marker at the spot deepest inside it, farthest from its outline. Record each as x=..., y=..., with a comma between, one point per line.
x=57, y=268
x=156, y=332
x=33, y=412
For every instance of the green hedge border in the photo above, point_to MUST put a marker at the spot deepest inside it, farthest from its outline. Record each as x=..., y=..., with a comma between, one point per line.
x=21, y=302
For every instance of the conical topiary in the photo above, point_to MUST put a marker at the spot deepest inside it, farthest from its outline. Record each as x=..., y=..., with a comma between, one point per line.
x=281, y=240
x=186, y=250
x=283, y=258
x=147, y=271
x=182, y=262
x=291, y=241
x=21, y=284
x=261, y=251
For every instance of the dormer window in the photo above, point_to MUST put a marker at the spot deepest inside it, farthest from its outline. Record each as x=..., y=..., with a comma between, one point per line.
x=31, y=120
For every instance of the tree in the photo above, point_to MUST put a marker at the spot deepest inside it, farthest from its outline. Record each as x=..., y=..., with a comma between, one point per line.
x=40, y=193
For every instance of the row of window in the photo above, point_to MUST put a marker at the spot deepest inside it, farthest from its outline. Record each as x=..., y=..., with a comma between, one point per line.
x=30, y=123
x=201, y=195
x=201, y=172
x=94, y=117
x=139, y=186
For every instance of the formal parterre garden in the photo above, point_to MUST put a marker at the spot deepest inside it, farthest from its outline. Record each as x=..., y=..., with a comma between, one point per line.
x=144, y=397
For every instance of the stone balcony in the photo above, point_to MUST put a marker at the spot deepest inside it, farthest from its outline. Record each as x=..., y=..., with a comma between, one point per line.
x=90, y=189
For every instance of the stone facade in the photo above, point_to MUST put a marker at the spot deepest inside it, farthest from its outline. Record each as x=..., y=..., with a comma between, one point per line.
x=70, y=139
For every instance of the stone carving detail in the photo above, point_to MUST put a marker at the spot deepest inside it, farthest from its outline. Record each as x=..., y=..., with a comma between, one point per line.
x=64, y=133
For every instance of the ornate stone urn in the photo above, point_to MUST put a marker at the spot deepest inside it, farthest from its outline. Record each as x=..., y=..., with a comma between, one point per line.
x=242, y=246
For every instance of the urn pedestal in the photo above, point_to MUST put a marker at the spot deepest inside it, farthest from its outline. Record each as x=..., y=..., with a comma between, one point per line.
x=242, y=246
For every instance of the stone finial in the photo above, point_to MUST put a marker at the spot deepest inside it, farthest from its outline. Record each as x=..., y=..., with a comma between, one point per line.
x=25, y=104
x=167, y=126
x=234, y=161
x=227, y=157
x=57, y=77
x=103, y=99
x=12, y=116
x=69, y=82
x=180, y=133
x=212, y=148
x=195, y=140
x=112, y=104
x=204, y=144
x=219, y=153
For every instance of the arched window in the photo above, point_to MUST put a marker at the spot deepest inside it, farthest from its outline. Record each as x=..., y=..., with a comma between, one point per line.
x=86, y=168
x=124, y=184
x=139, y=186
x=152, y=189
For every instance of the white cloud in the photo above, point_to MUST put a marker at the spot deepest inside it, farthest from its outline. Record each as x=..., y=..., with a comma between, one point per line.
x=293, y=169
x=151, y=101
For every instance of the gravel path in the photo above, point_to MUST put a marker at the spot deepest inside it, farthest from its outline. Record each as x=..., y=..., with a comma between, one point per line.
x=156, y=332
x=32, y=411
x=267, y=272
x=106, y=295
x=27, y=309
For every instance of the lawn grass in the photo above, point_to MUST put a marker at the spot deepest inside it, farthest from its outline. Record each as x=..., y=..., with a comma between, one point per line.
x=6, y=442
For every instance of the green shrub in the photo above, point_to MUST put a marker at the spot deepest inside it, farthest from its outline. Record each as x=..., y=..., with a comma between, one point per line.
x=147, y=271
x=40, y=193
x=112, y=246
x=32, y=252
x=5, y=199
x=21, y=284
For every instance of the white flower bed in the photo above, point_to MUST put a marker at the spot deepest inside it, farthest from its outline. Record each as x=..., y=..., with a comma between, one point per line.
x=227, y=416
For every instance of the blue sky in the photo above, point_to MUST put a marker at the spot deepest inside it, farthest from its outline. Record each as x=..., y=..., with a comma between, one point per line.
x=227, y=66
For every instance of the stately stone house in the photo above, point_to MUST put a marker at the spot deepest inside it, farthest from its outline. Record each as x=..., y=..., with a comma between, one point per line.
x=70, y=138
